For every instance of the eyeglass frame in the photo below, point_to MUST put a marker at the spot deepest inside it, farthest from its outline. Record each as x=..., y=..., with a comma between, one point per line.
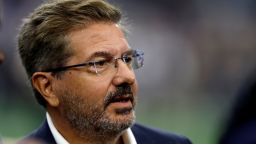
x=136, y=54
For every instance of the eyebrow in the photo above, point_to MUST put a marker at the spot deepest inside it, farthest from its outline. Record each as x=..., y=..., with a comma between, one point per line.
x=101, y=54
x=128, y=52
x=107, y=54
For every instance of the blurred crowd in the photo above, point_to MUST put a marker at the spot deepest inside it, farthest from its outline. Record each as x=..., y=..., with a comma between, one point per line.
x=197, y=53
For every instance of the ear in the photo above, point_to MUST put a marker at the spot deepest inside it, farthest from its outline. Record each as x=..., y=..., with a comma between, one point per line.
x=43, y=83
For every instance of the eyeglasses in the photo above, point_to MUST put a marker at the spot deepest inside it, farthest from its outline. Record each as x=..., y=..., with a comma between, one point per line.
x=134, y=59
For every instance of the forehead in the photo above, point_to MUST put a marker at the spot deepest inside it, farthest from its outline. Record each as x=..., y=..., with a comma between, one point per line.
x=98, y=37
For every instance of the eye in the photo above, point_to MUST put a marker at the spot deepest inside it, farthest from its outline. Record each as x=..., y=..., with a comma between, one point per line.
x=127, y=59
x=101, y=63
x=98, y=66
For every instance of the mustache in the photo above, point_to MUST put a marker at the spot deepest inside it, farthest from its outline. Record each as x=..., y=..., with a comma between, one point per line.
x=123, y=91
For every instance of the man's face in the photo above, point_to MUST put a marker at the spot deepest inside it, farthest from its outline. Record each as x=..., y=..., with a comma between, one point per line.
x=102, y=102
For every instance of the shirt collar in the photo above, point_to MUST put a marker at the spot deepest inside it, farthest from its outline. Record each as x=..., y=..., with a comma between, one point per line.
x=127, y=136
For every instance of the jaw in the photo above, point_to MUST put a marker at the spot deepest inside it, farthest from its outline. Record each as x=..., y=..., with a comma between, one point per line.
x=115, y=120
x=120, y=118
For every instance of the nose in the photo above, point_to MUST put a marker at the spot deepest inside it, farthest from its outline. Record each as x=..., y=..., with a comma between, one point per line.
x=124, y=74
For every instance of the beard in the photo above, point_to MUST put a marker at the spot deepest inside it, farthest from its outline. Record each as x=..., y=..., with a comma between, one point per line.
x=88, y=118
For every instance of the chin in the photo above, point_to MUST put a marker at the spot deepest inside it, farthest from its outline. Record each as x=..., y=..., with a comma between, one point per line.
x=123, y=119
x=115, y=123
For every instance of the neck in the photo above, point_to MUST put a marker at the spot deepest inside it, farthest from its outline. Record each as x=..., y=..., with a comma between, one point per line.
x=87, y=137
x=93, y=137
x=105, y=140
x=95, y=140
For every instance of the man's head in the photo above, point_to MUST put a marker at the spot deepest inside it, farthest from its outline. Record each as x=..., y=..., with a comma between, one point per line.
x=43, y=41
x=80, y=64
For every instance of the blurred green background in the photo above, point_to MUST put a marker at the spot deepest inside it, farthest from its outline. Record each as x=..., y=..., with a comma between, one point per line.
x=197, y=55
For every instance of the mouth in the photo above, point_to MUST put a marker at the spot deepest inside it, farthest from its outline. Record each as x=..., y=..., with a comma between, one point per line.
x=125, y=101
x=122, y=99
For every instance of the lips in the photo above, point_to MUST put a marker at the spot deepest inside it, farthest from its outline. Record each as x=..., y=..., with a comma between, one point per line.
x=121, y=98
x=123, y=105
x=121, y=101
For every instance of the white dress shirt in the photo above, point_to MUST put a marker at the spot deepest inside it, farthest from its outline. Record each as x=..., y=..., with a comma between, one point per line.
x=127, y=136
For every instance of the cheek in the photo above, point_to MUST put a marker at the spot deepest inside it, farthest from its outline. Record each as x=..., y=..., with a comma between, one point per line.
x=93, y=89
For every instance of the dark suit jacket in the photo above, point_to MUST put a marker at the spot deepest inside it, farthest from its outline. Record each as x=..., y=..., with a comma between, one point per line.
x=243, y=134
x=143, y=135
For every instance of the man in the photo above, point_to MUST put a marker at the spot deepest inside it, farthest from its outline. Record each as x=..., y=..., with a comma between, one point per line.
x=81, y=69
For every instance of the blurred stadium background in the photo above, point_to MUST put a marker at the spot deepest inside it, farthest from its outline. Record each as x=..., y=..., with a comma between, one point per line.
x=197, y=55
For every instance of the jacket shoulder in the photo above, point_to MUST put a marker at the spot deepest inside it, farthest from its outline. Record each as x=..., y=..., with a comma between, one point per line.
x=147, y=135
x=41, y=135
